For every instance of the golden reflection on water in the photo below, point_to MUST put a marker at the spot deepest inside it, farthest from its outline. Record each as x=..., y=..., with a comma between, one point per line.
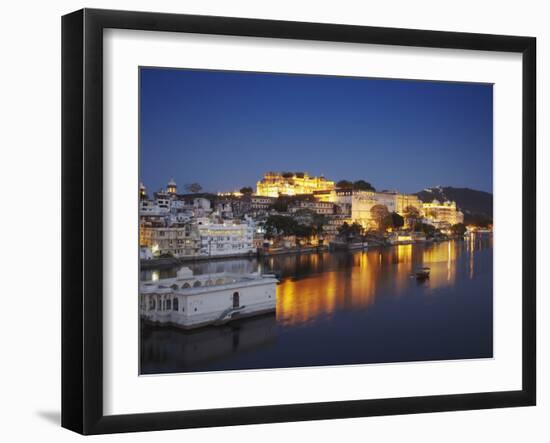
x=355, y=284
x=441, y=260
x=301, y=300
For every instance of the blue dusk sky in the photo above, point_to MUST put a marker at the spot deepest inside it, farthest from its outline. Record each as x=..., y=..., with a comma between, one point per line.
x=225, y=129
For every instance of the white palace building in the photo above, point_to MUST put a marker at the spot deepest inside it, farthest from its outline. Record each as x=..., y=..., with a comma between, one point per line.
x=191, y=301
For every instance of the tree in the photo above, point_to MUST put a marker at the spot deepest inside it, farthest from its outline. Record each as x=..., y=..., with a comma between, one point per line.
x=279, y=225
x=426, y=228
x=301, y=232
x=378, y=213
x=356, y=229
x=276, y=225
x=344, y=184
x=343, y=230
x=349, y=232
x=362, y=185
x=458, y=229
x=318, y=222
x=411, y=214
x=394, y=220
x=247, y=190
x=281, y=204
x=193, y=188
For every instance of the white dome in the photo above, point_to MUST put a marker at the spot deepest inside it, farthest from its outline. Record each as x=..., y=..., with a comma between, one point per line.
x=184, y=272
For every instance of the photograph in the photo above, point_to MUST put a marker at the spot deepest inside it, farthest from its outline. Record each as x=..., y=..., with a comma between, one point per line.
x=291, y=220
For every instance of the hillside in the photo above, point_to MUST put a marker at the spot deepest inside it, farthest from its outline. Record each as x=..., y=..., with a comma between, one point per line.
x=477, y=206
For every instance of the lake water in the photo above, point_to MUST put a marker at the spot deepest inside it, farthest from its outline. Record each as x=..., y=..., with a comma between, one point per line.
x=336, y=308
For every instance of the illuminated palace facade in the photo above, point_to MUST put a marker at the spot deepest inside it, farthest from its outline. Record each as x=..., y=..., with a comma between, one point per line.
x=274, y=184
x=442, y=213
x=361, y=204
x=355, y=205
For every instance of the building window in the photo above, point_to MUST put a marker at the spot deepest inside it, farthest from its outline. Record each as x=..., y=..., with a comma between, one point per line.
x=168, y=305
x=175, y=304
x=236, y=299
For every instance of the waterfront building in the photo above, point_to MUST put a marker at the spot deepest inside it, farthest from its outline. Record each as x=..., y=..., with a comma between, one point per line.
x=442, y=214
x=199, y=237
x=191, y=301
x=334, y=222
x=225, y=238
x=403, y=201
x=364, y=200
x=274, y=184
x=175, y=241
x=358, y=204
x=362, y=203
x=387, y=199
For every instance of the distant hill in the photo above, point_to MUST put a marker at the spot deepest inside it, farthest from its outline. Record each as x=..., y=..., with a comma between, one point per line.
x=477, y=206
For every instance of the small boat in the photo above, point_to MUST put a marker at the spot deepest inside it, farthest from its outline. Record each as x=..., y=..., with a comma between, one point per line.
x=422, y=273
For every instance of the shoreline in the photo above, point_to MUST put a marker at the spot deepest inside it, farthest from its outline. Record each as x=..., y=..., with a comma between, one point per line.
x=174, y=261
x=167, y=262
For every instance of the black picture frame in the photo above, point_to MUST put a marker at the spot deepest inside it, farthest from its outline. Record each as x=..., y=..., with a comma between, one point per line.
x=82, y=230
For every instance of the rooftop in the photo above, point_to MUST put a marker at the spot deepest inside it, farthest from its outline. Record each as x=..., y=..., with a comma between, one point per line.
x=187, y=283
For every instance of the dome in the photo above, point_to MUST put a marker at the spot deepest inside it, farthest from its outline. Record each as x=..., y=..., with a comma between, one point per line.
x=172, y=182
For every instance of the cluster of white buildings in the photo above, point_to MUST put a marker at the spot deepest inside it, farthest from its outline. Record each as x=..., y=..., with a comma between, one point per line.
x=172, y=225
